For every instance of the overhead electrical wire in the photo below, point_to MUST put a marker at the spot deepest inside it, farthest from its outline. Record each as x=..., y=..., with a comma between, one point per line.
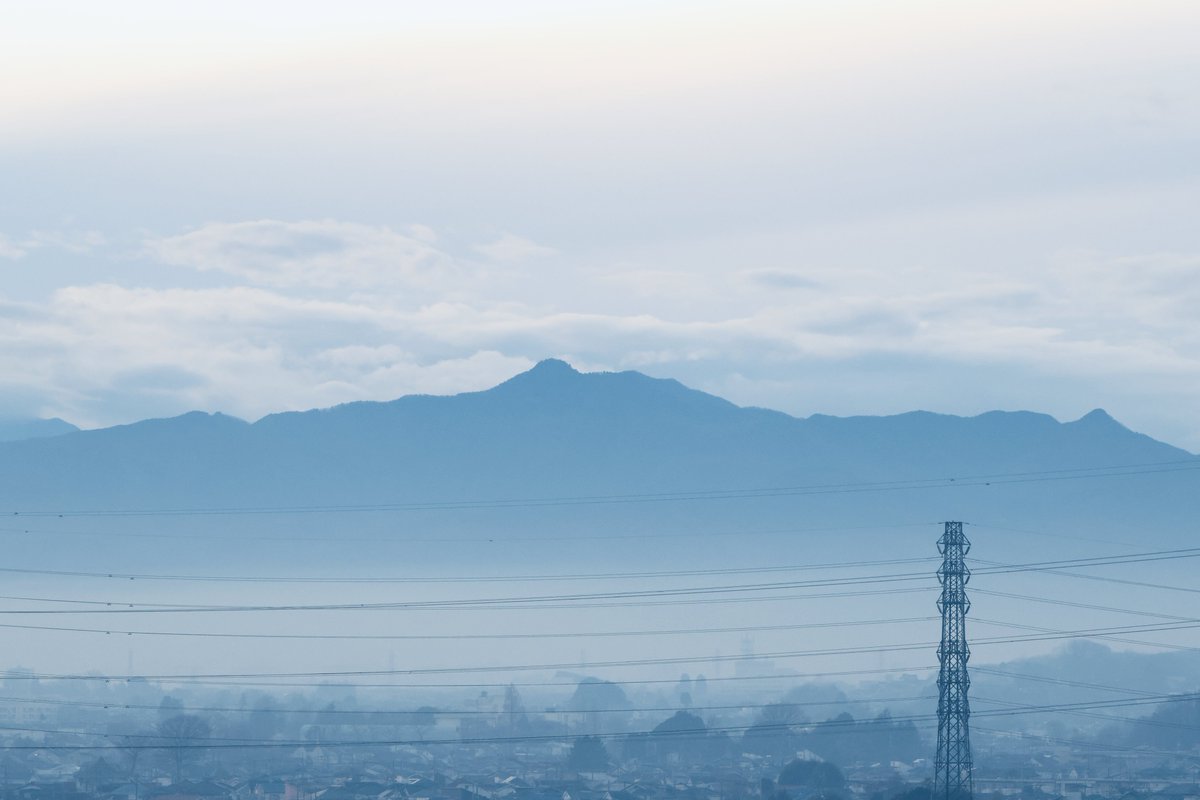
x=1141, y=721
x=991, y=567
x=1058, y=681
x=511, y=602
x=161, y=742
x=1105, y=637
x=597, y=634
x=456, y=712
x=485, y=636
x=112, y=606
x=527, y=667
x=502, y=537
x=543, y=684
x=1031, y=476
x=1055, y=567
x=1105, y=579
x=1045, y=534
x=582, y=576
x=1074, y=604
x=124, y=607
x=1108, y=747
x=1138, y=694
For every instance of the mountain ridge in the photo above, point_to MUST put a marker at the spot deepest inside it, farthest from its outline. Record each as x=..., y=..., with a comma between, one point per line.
x=18, y=429
x=517, y=387
x=555, y=433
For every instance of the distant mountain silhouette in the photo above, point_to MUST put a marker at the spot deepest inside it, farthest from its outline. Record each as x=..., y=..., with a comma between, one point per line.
x=1086, y=665
x=12, y=430
x=534, y=442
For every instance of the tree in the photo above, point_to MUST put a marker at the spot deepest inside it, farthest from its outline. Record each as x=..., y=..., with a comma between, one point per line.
x=773, y=733
x=131, y=746
x=588, y=754
x=169, y=707
x=684, y=734
x=181, y=736
x=263, y=721
x=593, y=694
x=834, y=739
x=820, y=776
x=423, y=719
x=683, y=723
x=782, y=715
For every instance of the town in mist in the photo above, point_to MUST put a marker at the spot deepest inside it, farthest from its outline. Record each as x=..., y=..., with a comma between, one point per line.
x=597, y=400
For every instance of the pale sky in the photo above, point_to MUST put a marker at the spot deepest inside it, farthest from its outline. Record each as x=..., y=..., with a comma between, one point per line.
x=836, y=207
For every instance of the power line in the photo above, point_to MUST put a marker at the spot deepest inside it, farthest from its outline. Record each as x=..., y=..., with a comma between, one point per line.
x=518, y=684
x=1109, y=579
x=455, y=712
x=162, y=742
x=1073, y=604
x=132, y=576
x=114, y=606
x=1085, y=744
x=527, y=600
x=556, y=635
x=1105, y=637
x=1050, y=535
x=488, y=636
x=502, y=537
x=1118, y=470
x=1060, y=681
x=1140, y=695
x=524, y=667
x=123, y=607
x=998, y=567
x=1144, y=721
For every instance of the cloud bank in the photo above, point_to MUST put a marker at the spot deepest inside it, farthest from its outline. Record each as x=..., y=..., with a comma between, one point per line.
x=314, y=313
x=319, y=253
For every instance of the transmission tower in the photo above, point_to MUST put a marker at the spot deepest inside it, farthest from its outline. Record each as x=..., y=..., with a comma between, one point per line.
x=952, y=777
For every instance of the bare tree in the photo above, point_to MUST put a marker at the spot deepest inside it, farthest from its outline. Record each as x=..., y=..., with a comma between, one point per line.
x=782, y=715
x=131, y=747
x=181, y=737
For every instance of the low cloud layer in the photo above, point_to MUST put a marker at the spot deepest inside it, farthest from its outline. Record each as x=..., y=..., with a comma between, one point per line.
x=308, y=314
x=320, y=253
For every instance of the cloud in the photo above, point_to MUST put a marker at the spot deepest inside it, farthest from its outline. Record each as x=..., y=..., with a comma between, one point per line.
x=1101, y=327
x=513, y=248
x=72, y=241
x=313, y=253
x=781, y=279
x=105, y=353
x=256, y=350
x=9, y=249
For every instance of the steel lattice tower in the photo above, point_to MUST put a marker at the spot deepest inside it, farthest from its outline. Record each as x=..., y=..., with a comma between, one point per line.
x=952, y=777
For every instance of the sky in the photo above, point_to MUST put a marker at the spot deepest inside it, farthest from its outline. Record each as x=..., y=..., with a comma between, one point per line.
x=822, y=207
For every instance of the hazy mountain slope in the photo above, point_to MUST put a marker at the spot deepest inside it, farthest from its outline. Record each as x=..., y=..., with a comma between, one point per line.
x=12, y=430
x=555, y=433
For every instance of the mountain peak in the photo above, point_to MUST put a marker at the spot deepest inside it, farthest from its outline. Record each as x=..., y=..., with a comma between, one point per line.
x=552, y=366
x=546, y=374
x=1097, y=417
